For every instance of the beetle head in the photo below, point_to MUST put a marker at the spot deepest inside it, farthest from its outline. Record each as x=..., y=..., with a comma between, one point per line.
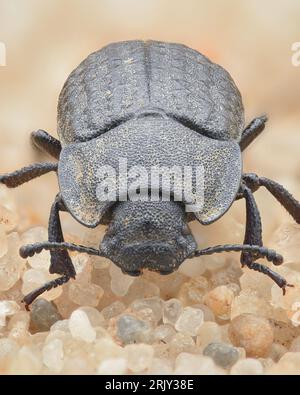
x=152, y=235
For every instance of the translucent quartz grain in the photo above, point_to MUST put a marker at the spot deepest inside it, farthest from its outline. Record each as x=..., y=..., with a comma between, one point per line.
x=139, y=357
x=172, y=309
x=219, y=300
x=154, y=304
x=85, y=294
x=7, y=308
x=277, y=351
x=133, y=330
x=253, y=333
x=8, y=350
x=120, y=282
x=208, y=333
x=289, y=363
x=112, y=366
x=80, y=327
x=208, y=315
x=224, y=355
x=43, y=315
x=295, y=345
x=113, y=310
x=36, y=235
x=3, y=241
x=248, y=366
x=164, y=333
x=254, y=281
x=181, y=342
x=95, y=317
x=141, y=289
x=168, y=285
x=11, y=264
x=33, y=279
x=105, y=348
x=160, y=366
x=190, y=321
x=18, y=327
x=249, y=301
x=8, y=218
x=187, y=363
x=53, y=355
x=25, y=361
x=229, y=274
x=193, y=291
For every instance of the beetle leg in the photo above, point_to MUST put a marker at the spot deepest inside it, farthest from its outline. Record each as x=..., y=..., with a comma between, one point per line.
x=28, y=299
x=277, y=278
x=253, y=232
x=61, y=262
x=259, y=252
x=253, y=130
x=284, y=197
x=47, y=143
x=19, y=177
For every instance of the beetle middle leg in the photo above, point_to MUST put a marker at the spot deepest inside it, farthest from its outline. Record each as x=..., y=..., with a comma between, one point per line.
x=253, y=130
x=285, y=198
x=47, y=143
x=28, y=173
x=44, y=141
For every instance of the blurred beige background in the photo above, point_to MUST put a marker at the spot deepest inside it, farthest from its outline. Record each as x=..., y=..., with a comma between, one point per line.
x=46, y=39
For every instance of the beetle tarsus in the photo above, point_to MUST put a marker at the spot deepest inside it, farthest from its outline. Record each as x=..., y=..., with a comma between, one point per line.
x=277, y=278
x=28, y=299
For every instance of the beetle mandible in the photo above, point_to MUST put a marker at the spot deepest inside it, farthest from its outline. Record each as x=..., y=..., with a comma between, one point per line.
x=151, y=103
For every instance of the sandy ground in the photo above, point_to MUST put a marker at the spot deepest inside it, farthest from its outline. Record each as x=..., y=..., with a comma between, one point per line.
x=44, y=42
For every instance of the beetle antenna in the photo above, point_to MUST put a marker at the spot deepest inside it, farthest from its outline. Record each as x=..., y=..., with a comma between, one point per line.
x=262, y=252
x=36, y=248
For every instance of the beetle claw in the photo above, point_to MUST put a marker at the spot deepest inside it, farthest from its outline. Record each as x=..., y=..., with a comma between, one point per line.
x=284, y=288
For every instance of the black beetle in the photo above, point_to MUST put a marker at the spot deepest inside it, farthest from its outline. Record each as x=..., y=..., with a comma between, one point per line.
x=153, y=103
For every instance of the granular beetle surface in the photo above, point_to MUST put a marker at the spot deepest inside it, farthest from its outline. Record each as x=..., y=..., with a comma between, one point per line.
x=152, y=104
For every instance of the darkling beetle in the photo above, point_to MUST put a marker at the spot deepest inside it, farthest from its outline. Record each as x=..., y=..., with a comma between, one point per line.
x=153, y=103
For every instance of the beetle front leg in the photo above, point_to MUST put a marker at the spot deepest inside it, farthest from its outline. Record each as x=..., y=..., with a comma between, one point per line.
x=285, y=198
x=252, y=250
x=276, y=277
x=61, y=262
x=30, y=298
x=253, y=232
